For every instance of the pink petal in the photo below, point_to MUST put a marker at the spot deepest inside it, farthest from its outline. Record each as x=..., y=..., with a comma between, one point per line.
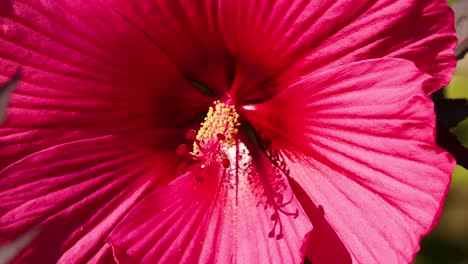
x=91, y=65
x=104, y=255
x=325, y=246
x=5, y=8
x=188, y=32
x=18, y=142
x=297, y=37
x=77, y=192
x=87, y=73
x=227, y=218
x=369, y=159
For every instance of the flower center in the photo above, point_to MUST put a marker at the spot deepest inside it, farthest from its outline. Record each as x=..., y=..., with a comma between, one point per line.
x=215, y=137
x=219, y=126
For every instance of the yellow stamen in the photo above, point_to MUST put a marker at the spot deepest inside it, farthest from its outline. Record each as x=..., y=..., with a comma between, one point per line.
x=222, y=119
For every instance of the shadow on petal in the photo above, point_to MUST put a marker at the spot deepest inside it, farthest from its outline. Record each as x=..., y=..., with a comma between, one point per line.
x=5, y=8
x=324, y=244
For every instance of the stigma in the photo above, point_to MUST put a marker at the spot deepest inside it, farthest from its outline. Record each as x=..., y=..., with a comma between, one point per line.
x=217, y=134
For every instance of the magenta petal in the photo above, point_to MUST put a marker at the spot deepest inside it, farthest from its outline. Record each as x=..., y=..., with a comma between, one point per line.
x=104, y=255
x=92, y=65
x=273, y=41
x=5, y=8
x=379, y=214
x=268, y=37
x=224, y=219
x=370, y=95
x=369, y=155
x=76, y=193
x=418, y=31
x=17, y=142
x=325, y=246
x=188, y=32
x=87, y=72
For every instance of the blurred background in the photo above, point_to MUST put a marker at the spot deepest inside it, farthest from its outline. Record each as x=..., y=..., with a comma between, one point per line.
x=448, y=243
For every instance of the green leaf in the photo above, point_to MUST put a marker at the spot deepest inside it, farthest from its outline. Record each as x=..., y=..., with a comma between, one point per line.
x=250, y=132
x=202, y=88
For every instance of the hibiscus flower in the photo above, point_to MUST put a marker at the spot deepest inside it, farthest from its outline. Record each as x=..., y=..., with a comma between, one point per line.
x=223, y=130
